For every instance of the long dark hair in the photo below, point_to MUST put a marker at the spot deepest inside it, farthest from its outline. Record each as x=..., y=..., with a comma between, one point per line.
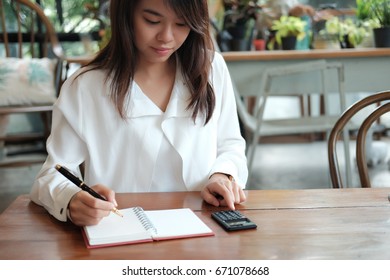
x=195, y=55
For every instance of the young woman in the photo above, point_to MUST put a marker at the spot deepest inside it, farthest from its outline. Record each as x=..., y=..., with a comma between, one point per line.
x=154, y=111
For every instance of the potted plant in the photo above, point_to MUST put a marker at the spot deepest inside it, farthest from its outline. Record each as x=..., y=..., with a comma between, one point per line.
x=363, y=15
x=380, y=12
x=288, y=30
x=348, y=33
x=238, y=24
x=363, y=9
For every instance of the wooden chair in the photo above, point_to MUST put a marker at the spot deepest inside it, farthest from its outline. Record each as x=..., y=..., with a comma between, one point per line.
x=30, y=72
x=298, y=77
x=342, y=123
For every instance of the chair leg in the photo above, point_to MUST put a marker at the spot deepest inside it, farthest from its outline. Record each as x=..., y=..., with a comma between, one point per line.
x=3, y=131
x=250, y=156
x=251, y=153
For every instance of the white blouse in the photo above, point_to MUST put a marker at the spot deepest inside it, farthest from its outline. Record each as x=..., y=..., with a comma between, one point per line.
x=149, y=151
x=166, y=175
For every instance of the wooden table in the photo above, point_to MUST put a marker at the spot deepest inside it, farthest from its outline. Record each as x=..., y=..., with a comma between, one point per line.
x=292, y=224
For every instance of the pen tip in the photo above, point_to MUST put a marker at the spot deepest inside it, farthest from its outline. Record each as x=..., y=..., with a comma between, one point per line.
x=58, y=166
x=116, y=211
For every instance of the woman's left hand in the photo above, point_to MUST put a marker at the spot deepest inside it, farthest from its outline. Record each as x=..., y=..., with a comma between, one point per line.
x=220, y=191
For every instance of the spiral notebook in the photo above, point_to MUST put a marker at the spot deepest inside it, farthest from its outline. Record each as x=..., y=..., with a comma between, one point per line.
x=137, y=226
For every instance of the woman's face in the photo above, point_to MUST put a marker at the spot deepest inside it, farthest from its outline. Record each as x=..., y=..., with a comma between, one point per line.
x=159, y=32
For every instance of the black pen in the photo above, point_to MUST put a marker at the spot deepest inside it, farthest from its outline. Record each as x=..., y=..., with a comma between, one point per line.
x=83, y=186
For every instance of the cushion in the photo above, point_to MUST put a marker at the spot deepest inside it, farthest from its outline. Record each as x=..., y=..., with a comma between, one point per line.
x=27, y=81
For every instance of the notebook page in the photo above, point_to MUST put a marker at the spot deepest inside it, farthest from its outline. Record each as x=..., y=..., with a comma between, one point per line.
x=176, y=223
x=115, y=229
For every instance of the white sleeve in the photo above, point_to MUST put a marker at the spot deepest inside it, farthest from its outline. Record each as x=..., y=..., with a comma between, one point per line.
x=231, y=157
x=66, y=147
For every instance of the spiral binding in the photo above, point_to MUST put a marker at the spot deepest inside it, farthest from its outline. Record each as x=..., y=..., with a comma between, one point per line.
x=146, y=223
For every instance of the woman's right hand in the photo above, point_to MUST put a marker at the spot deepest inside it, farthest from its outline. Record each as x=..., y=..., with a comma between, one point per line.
x=84, y=209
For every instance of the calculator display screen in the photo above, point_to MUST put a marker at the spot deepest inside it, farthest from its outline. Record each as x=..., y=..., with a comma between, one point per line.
x=236, y=223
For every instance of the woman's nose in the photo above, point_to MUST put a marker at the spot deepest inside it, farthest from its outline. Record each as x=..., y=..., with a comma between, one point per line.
x=166, y=34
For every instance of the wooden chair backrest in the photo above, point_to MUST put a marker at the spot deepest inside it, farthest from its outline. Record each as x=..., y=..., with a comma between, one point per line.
x=341, y=124
x=26, y=30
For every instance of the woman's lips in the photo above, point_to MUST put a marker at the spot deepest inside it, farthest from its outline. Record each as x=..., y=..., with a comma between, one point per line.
x=162, y=51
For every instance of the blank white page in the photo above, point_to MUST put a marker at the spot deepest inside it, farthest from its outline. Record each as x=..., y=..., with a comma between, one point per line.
x=113, y=229
x=177, y=223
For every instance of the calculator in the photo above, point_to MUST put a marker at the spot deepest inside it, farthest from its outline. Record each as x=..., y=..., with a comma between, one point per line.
x=232, y=220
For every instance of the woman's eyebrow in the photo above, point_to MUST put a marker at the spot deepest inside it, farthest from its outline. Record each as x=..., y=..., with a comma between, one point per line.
x=149, y=11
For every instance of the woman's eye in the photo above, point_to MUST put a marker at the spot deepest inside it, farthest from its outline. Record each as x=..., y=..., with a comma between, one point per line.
x=181, y=24
x=151, y=21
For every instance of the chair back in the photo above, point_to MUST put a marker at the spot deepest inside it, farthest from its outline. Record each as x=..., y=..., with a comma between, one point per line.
x=303, y=80
x=31, y=60
x=26, y=32
x=24, y=21
x=341, y=124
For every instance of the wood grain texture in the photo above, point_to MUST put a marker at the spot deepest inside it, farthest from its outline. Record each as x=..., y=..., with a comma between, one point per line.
x=292, y=224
